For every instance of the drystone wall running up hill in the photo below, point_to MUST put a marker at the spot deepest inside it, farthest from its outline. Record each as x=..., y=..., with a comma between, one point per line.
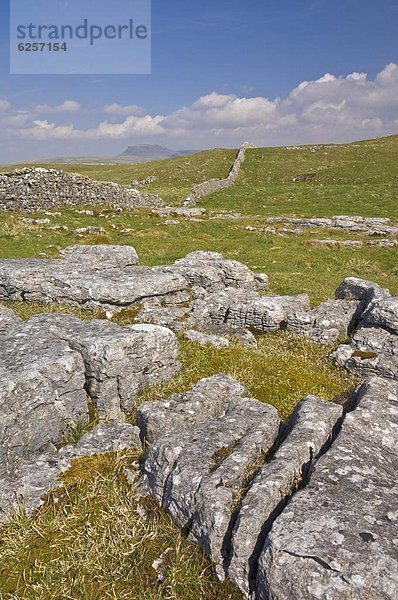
x=32, y=189
x=289, y=511
x=214, y=185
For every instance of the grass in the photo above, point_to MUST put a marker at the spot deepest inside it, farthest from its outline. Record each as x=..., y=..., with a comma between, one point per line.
x=98, y=540
x=281, y=371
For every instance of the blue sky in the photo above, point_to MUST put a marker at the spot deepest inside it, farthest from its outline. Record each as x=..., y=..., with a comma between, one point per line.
x=222, y=72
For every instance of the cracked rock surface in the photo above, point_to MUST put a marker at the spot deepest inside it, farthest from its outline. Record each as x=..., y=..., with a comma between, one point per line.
x=309, y=429
x=327, y=322
x=337, y=539
x=118, y=361
x=41, y=394
x=197, y=470
x=373, y=347
x=242, y=308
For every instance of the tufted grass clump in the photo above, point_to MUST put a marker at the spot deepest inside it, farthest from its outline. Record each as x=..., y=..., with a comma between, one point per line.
x=282, y=370
x=94, y=540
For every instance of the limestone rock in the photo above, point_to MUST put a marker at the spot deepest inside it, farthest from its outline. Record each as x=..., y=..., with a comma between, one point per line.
x=211, y=271
x=118, y=361
x=198, y=470
x=247, y=309
x=310, y=428
x=205, y=339
x=266, y=313
x=68, y=281
x=336, y=539
x=373, y=348
x=171, y=317
x=181, y=211
x=384, y=314
x=8, y=320
x=327, y=322
x=41, y=394
x=370, y=351
x=205, y=401
x=238, y=334
x=102, y=256
x=366, y=225
x=353, y=288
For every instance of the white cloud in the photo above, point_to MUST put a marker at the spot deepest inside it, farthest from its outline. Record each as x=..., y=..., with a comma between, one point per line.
x=69, y=106
x=118, y=109
x=330, y=108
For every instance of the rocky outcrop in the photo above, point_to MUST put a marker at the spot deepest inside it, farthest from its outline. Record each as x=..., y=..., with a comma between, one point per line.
x=242, y=308
x=336, y=539
x=197, y=467
x=303, y=511
x=215, y=185
x=36, y=478
x=210, y=271
x=32, y=189
x=115, y=362
x=328, y=322
x=205, y=339
x=109, y=277
x=100, y=257
x=365, y=225
x=180, y=211
x=373, y=348
x=309, y=429
x=42, y=394
x=49, y=367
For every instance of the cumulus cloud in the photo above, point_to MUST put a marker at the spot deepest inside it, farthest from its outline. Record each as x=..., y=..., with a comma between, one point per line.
x=69, y=106
x=330, y=108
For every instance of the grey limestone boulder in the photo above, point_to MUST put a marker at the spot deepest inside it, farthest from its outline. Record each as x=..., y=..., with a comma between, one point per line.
x=205, y=339
x=84, y=284
x=197, y=472
x=101, y=256
x=169, y=316
x=212, y=272
x=327, y=322
x=205, y=401
x=309, y=429
x=337, y=538
x=373, y=348
x=118, y=361
x=247, y=309
x=353, y=288
x=42, y=381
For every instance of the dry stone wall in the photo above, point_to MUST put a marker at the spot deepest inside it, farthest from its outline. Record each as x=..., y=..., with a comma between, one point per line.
x=215, y=185
x=32, y=189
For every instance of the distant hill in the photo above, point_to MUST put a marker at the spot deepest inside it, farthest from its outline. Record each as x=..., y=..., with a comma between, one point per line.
x=148, y=152
x=140, y=153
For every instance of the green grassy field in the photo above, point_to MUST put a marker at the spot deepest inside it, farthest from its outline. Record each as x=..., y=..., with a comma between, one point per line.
x=46, y=556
